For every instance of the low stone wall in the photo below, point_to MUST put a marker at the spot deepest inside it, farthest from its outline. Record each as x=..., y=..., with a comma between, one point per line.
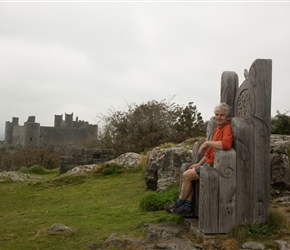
x=76, y=156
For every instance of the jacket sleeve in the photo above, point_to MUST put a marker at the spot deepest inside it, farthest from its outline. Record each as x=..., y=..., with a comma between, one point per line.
x=227, y=140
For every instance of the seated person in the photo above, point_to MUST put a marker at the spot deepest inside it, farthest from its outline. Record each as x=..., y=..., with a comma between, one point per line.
x=222, y=139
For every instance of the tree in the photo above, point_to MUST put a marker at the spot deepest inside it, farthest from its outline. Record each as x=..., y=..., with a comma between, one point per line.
x=149, y=125
x=189, y=123
x=281, y=124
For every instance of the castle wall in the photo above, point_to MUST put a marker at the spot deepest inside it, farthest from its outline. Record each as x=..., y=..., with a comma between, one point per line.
x=18, y=135
x=8, y=132
x=31, y=133
x=68, y=120
x=57, y=121
x=9, y=129
x=61, y=136
x=64, y=133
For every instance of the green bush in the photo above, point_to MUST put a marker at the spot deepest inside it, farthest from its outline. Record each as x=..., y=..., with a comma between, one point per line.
x=281, y=124
x=155, y=201
x=35, y=169
x=111, y=169
x=149, y=125
x=14, y=159
x=23, y=170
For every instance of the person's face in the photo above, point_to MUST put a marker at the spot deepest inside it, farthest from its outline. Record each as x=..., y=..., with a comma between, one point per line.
x=220, y=117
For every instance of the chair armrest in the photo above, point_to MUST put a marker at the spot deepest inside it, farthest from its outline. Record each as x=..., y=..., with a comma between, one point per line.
x=225, y=163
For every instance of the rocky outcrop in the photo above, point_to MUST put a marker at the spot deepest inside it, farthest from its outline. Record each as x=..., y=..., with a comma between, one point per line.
x=185, y=236
x=169, y=235
x=127, y=160
x=84, y=169
x=279, y=161
x=163, y=165
x=14, y=176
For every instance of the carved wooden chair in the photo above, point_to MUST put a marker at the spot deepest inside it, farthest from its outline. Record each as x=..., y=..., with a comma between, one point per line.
x=237, y=188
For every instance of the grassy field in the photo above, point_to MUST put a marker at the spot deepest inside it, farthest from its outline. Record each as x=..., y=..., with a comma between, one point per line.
x=93, y=206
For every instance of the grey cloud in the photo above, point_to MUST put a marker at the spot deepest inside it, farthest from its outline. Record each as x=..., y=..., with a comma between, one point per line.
x=87, y=58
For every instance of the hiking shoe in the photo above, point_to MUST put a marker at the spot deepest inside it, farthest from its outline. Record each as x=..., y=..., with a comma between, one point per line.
x=183, y=212
x=169, y=208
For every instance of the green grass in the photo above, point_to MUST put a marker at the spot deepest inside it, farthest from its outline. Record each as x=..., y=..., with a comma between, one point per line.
x=94, y=206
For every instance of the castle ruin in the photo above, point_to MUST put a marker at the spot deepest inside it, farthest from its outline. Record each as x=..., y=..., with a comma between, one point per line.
x=64, y=133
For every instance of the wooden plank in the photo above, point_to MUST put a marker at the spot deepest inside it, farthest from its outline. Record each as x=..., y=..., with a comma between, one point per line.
x=225, y=163
x=260, y=78
x=208, y=200
x=243, y=133
x=229, y=86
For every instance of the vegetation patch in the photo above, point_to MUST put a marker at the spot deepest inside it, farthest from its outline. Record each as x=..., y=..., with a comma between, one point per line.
x=95, y=206
x=67, y=180
x=273, y=227
x=112, y=169
x=155, y=201
x=35, y=169
x=14, y=158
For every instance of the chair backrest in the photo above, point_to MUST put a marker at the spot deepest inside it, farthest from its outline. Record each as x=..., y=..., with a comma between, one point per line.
x=251, y=103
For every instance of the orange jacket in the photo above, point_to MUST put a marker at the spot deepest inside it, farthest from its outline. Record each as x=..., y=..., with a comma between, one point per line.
x=223, y=134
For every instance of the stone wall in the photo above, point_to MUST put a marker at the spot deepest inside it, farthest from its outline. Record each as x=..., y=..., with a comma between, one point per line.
x=76, y=156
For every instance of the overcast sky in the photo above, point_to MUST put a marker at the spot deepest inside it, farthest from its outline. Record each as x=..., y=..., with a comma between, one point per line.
x=90, y=57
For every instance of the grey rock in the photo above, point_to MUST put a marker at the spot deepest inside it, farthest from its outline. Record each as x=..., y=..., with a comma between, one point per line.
x=163, y=166
x=127, y=160
x=123, y=243
x=84, y=169
x=283, y=245
x=14, y=176
x=176, y=243
x=280, y=167
x=55, y=228
x=253, y=245
x=169, y=236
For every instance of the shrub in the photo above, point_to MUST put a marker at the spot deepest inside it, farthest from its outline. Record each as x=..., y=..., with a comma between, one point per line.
x=111, y=169
x=15, y=158
x=259, y=230
x=281, y=124
x=35, y=169
x=149, y=125
x=23, y=170
x=155, y=201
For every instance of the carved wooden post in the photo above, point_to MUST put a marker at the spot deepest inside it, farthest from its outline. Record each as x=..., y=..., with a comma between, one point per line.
x=229, y=86
x=252, y=143
x=208, y=200
x=243, y=133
